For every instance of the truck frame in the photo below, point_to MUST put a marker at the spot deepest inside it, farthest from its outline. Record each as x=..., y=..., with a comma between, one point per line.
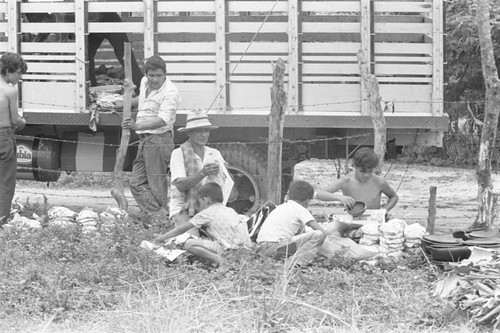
x=219, y=54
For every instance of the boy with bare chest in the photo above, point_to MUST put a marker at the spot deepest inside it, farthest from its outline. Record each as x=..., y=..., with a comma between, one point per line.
x=12, y=66
x=362, y=184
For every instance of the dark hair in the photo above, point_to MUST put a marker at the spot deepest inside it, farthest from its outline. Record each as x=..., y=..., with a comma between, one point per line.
x=365, y=158
x=11, y=62
x=300, y=190
x=155, y=62
x=211, y=190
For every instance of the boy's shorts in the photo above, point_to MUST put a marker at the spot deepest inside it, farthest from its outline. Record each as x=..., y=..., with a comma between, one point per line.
x=210, y=245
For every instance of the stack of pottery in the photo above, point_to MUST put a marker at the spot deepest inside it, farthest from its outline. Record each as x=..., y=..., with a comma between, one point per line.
x=445, y=248
x=483, y=238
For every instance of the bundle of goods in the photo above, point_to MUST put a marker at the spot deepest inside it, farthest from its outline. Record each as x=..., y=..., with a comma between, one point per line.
x=391, y=236
x=370, y=235
x=413, y=235
x=88, y=219
x=61, y=216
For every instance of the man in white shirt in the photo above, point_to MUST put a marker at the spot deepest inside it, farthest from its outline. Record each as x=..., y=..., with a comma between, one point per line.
x=157, y=103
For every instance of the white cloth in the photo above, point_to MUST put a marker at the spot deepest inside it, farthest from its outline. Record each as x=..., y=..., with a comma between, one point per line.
x=284, y=222
x=178, y=200
x=161, y=103
x=222, y=225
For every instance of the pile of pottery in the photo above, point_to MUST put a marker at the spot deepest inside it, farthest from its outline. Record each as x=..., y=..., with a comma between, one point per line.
x=456, y=247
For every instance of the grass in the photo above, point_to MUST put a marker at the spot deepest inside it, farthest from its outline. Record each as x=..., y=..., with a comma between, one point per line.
x=61, y=280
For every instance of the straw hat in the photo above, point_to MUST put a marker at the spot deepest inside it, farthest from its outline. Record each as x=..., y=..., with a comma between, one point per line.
x=197, y=119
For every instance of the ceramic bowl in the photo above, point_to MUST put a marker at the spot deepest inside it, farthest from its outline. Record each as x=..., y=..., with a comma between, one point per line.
x=357, y=209
x=451, y=254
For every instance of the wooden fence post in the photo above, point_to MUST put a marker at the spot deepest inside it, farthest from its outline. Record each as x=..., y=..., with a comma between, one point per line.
x=276, y=123
x=431, y=219
x=376, y=112
x=118, y=192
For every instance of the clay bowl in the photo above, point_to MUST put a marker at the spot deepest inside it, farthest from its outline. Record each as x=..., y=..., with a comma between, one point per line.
x=451, y=254
x=357, y=209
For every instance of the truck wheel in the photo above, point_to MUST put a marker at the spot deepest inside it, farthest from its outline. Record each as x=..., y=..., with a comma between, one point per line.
x=248, y=166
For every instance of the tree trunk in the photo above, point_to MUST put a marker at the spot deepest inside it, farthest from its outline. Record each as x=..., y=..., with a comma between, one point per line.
x=118, y=192
x=376, y=112
x=276, y=123
x=486, y=197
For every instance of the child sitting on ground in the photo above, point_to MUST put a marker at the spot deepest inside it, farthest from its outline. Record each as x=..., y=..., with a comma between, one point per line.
x=360, y=185
x=283, y=231
x=221, y=224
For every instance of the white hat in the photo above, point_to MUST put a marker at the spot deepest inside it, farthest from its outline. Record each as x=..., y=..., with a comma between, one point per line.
x=197, y=119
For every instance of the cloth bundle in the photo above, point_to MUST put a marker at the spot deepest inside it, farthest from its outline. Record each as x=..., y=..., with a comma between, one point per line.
x=413, y=235
x=88, y=219
x=391, y=235
x=61, y=216
x=370, y=234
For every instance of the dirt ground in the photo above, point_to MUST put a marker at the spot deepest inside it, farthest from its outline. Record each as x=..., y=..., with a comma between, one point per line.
x=456, y=192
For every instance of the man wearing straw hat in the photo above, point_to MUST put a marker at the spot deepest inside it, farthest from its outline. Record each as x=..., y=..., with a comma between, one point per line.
x=157, y=104
x=192, y=165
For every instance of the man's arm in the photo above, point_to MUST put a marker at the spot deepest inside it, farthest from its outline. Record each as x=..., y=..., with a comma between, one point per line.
x=179, y=230
x=391, y=195
x=186, y=183
x=150, y=124
x=314, y=225
x=16, y=120
x=347, y=201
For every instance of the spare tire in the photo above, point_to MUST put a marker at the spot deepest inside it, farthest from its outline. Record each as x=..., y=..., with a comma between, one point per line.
x=248, y=165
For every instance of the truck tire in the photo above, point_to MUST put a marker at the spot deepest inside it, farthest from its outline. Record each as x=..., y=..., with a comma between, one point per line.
x=248, y=166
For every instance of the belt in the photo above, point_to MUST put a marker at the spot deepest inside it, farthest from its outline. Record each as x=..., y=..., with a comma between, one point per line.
x=145, y=135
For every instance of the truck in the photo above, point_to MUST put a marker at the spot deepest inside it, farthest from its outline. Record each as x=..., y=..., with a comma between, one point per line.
x=219, y=55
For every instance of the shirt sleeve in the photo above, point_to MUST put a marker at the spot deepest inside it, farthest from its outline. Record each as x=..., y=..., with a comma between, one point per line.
x=200, y=220
x=305, y=216
x=169, y=104
x=177, y=168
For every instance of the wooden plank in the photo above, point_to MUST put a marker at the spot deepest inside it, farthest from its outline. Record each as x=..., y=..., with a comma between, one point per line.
x=127, y=27
x=250, y=95
x=308, y=68
x=331, y=27
x=51, y=67
x=193, y=68
x=187, y=48
x=49, y=57
x=48, y=27
x=405, y=79
x=81, y=54
x=47, y=7
x=396, y=59
x=186, y=27
x=262, y=6
x=403, y=28
x=199, y=96
x=190, y=78
x=4, y=46
x=408, y=69
x=259, y=47
x=4, y=26
x=150, y=40
x=438, y=52
x=252, y=78
x=116, y=6
x=331, y=97
x=404, y=48
x=13, y=27
x=186, y=6
x=254, y=68
x=187, y=58
x=268, y=27
x=329, y=79
x=27, y=77
x=48, y=47
x=293, y=70
x=35, y=95
x=331, y=48
x=407, y=97
x=256, y=58
x=221, y=55
x=3, y=8
x=328, y=58
x=331, y=6
x=403, y=7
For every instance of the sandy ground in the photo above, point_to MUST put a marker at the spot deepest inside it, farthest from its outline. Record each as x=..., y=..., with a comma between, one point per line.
x=456, y=192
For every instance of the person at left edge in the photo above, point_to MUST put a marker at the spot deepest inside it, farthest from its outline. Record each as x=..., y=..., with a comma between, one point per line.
x=157, y=106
